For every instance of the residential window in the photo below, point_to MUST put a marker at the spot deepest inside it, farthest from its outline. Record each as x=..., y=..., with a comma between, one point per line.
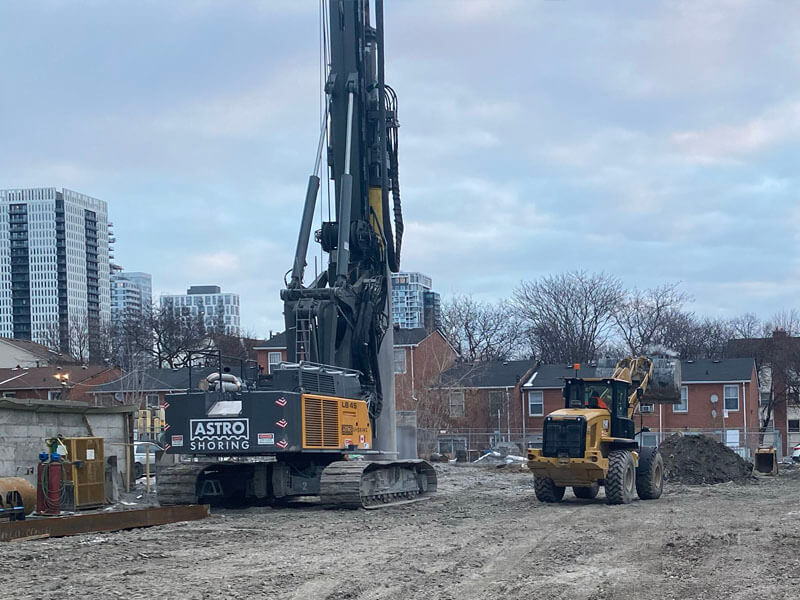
x=451, y=446
x=273, y=358
x=536, y=403
x=54, y=395
x=684, y=404
x=399, y=360
x=764, y=399
x=731, y=397
x=496, y=403
x=457, y=403
x=152, y=401
x=794, y=425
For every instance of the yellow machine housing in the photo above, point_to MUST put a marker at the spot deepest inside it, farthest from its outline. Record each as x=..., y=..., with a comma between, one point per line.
x=586, y=470
x=335, y=423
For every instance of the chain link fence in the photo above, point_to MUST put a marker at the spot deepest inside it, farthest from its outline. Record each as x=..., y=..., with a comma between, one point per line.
x=744, y=443
x=468, y=444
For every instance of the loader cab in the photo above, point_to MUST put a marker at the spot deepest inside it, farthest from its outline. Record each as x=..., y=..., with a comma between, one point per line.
x=594, y=393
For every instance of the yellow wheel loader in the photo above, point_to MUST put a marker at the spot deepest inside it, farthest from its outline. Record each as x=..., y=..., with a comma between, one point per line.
x=591, y=442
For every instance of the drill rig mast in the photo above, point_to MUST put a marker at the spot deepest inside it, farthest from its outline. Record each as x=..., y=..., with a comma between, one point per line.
x=293, y=435
x=343, y=317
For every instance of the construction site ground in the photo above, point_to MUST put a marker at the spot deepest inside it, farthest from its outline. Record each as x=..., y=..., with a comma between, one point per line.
x=483, y=536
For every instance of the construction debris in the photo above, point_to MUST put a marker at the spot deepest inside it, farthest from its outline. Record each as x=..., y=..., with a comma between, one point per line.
x=497, y=458
x=699, y=459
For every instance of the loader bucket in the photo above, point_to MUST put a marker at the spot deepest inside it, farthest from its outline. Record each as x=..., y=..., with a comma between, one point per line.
x=665, y=385
x=766, y=461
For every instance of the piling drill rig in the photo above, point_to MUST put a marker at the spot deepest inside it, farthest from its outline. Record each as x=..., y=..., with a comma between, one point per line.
x=334, y=396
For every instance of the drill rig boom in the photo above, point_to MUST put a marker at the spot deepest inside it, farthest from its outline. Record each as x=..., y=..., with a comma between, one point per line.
x=335, y=394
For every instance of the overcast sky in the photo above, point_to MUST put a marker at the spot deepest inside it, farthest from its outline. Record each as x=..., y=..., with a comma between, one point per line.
x=656, y=141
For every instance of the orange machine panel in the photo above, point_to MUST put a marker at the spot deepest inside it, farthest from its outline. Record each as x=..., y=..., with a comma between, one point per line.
x=335, y=423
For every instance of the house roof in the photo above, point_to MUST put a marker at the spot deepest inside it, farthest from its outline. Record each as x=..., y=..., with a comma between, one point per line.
x=727, y=369
x=552, y=376
x=155, y=380
x=38, y=351
x=276, y=341
x=488, y=374
x=39, y=378
x=410, y=337
x=764, y=348
x=692, y=371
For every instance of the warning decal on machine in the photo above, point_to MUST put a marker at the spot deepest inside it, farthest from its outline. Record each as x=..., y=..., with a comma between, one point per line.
x=266, y=439
x=177, y=440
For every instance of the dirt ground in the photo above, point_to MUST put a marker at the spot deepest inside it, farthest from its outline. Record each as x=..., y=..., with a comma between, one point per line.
x=483, y=536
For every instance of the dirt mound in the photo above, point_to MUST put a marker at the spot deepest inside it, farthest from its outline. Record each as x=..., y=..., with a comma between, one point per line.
x=696, y=459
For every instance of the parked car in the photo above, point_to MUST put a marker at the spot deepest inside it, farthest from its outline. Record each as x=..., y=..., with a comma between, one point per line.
x=796, y=453
x=140, y=456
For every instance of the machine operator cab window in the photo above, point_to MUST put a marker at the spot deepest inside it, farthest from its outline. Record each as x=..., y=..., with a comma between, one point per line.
x=608, y=394
x=580, y=394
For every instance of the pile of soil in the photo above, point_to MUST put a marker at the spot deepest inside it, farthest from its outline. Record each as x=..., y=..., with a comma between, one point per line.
x=697, y=459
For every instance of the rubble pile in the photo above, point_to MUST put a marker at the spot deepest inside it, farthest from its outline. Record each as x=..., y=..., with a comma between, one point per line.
x=698, y=459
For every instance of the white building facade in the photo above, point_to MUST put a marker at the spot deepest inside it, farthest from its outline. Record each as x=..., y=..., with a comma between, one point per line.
x=54, y=252
x=131, y=294
x=219, y=310
x=414, y=303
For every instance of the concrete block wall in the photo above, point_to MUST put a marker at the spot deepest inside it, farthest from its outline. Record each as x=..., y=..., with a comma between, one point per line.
x=22, y=435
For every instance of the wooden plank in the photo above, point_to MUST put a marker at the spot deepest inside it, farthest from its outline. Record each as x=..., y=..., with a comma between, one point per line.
x=101, y=522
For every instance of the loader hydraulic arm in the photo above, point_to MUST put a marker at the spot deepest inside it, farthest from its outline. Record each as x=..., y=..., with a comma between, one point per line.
x=638, y=371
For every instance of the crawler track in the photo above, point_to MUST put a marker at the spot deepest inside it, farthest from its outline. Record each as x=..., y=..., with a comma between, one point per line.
x=364, y=484
x=343, y=484
x=177, y=484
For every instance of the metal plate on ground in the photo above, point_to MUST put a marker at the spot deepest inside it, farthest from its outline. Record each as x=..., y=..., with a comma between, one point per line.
x=100, y=522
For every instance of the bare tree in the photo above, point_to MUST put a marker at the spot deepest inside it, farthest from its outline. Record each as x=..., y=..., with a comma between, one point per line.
x=747, y=326
x=51, y=336
x=643, y=316
x=80, y=338
x=568, y=317
x=481, y=330
x=164, y=337
x=784, y=320
x=694, y=338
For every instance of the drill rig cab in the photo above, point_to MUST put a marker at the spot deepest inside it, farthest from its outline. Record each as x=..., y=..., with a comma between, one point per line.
x=295, y=432
x=591, y=442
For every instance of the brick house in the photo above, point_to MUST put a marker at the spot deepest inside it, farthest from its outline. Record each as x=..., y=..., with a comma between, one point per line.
x=473, y=405
x=271, y=352
x=716, y=395
x=148, y=389
x=74, y=383
x=420, y=358
x=778, y=362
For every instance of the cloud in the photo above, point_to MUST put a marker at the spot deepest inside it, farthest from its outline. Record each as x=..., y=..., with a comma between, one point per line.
x=725, y=142
x=656, y=141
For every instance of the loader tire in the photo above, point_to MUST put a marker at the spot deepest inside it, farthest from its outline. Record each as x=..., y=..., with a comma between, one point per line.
x=650, y=474
x=546, y=490
x=587, y=492
x=621, y=478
